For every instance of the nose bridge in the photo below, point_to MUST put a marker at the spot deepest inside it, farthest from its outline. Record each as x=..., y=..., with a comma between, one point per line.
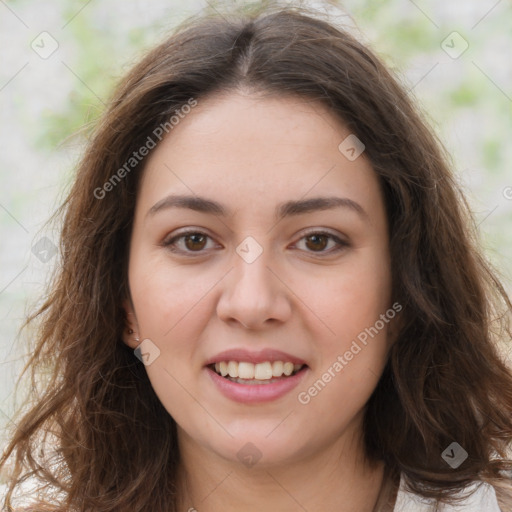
x=251, y=294
x=251, y=264
x=251, y=281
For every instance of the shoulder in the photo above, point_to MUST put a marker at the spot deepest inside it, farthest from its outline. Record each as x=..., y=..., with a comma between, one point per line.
x=480, y=497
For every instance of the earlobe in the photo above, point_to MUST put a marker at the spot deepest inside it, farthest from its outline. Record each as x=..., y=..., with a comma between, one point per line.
x=131, y=328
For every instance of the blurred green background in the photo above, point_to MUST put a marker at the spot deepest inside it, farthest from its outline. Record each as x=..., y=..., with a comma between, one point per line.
x=47, y=99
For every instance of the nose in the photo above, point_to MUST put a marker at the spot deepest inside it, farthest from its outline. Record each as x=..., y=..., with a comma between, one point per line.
x=253, y=296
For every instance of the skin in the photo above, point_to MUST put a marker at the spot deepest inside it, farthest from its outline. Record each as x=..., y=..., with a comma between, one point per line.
x=250, y=154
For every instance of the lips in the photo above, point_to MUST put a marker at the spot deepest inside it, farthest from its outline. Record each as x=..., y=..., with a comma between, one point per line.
x=253, y=391
x=249, y=376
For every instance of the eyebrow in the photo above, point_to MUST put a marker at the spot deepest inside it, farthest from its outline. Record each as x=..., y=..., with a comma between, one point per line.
x=286, y=209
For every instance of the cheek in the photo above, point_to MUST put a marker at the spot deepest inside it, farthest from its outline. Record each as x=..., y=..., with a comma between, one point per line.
x=349, y=370
x=167, y=297
x=357, y=309
x=351, y=299
x=171, y=314
x=360, y=300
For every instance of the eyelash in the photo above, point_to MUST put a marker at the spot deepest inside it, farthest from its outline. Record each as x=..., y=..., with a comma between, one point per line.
x=170, y=244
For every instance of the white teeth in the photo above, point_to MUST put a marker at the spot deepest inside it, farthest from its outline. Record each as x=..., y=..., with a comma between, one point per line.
x=277, y=368
x=233, y=369
x=288, y=368
x=246, y=370
x=260, y=371
x=223, y=367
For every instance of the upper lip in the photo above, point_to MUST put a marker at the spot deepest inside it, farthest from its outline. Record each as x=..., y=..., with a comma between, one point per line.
x=252, y=356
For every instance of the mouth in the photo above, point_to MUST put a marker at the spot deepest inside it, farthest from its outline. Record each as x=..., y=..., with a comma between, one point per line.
x=251, y=377
x=248, y=373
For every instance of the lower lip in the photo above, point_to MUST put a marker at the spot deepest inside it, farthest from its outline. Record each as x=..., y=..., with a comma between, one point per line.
x=255, y=393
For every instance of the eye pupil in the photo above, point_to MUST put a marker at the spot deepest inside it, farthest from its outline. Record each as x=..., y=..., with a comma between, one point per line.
x=320, y=241
x=198, y=241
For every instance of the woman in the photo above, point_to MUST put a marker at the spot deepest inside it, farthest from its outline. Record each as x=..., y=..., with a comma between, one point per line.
x=265, y=222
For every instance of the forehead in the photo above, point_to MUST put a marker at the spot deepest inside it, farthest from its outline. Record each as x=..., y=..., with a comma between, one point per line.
x=251, y=152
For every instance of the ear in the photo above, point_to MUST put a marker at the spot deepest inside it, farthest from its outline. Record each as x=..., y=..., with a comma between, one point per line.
x=131, y=328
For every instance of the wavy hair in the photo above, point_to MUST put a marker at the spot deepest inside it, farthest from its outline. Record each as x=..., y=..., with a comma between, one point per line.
x=96, y=436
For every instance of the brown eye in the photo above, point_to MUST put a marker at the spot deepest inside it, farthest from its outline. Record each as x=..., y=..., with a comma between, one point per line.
x=322, y=243
x=317, y=242
x=189, y=242
x=195, y=241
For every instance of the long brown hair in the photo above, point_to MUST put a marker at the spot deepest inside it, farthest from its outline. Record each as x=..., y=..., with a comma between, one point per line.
x=96, y=433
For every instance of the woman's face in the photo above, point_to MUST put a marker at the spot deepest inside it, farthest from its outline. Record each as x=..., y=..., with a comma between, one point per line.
x=258, y=240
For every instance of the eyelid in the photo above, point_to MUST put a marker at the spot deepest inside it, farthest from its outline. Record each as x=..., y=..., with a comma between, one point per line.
x=321, y=231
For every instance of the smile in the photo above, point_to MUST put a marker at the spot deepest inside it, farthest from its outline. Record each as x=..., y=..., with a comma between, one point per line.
x=256, y=390
x=245, y=372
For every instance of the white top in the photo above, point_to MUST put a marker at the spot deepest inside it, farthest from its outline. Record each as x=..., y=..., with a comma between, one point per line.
x=482, y=500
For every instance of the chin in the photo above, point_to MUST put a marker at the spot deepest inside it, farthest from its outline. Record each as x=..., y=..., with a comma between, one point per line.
x=257, y=450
